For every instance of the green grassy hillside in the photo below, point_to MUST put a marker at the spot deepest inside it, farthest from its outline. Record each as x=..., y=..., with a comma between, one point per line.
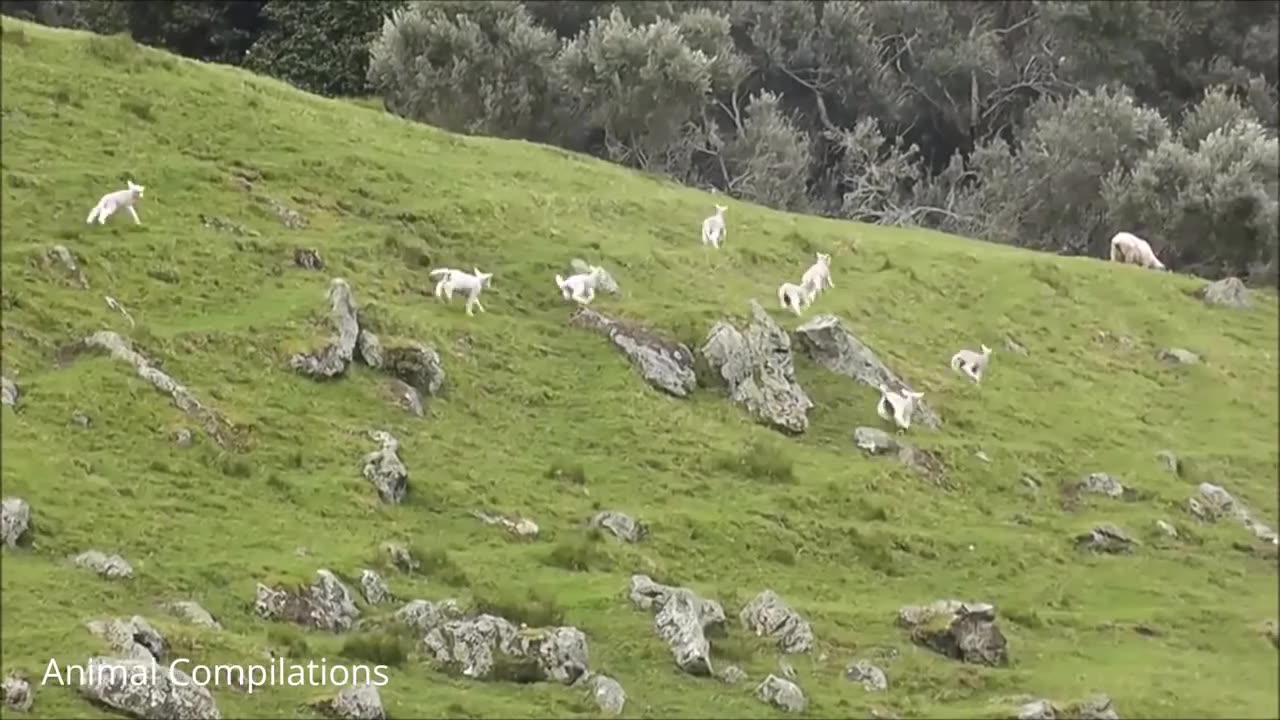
x=549, y=421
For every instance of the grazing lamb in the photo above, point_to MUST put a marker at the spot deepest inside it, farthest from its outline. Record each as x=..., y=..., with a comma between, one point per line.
x=467, y=282
x=113, y=201
x=897, y=407
x=1131, y=249
x=971, y=363
x=795, y=297
x=713, y=228
x=580, y=288
x=818, y=276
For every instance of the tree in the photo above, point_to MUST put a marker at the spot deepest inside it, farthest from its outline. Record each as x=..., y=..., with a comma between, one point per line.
x=767, y=161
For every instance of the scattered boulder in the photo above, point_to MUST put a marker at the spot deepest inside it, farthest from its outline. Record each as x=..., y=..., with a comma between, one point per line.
x=1106, y=538
x=131, y=637
x=356, y=702
x=15, y=521
x=111, y=567
x=1101, y=484
x=1178, y=356
x=521, y=527
x=759, y=370
x=682, y=619
x=404, y=395
x=476, y=646
x=623, y=526
x=665, y=364
x=826, y=340
x=606, y=692
x=289, y=217
x=193, y=613
x=214, y=222
x=182, y=438
x=308, y=259
x=145, y=689
x=400, y=557
x=370, y=348
x=383, y=468
x=1037, y=710
x=423, y=615
x=331, y=361
x=416, y=365
x=8, y=391
x=62, y=256
x=875, y=441
x=872, y=678
x=958, y=630
x=732, y=675
x=1170, y=461
x=1098, y=707
x=373, y=587
x=604, y=281
x=1213, y=502
x=1227, y=292
x=325, y=604
x=16, y=692
x=768, y=615
x=79, y=419
x=120, y=349
x=782, y=694
x=1166, y=528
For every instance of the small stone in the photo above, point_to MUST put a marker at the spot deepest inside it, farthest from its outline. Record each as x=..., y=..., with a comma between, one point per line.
x=732, y=675
x=1178, y=356
x=79, y=419
x=16, y=692
x=1167, y=529
x=782, y=694
x=1170, y=461
x=182, y=438
x=872, y=678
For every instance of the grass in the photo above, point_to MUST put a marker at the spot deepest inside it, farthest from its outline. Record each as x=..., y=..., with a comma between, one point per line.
x=549, y=421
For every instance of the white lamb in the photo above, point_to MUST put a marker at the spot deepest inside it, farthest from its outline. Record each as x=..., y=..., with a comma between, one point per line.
x=1131, y=249
x=795, y=297
x=971, y=363
x=818, y=276
x=467, y=282
x=113, y=201
x=898, y=407
x=580, y=288
x=713, y=231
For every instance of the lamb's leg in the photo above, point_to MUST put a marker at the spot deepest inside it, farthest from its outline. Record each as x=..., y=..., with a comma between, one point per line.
x=107, y=211
x=476, y=300
x=439, y=289
x=133, y=213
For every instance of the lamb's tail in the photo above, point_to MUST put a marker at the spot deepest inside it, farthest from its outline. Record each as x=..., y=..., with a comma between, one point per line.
x=93, y=213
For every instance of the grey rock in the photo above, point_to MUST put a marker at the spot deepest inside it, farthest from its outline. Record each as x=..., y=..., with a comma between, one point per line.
x=193, y=613
x=61, y=255
x=1098, y=707
x=475, y=645
x=423, y=615
x=768, y=615
x=829, y=343
x=400, y=557
x=326, y=604
x=1106, y=538
x=607, y=693
x=373, y=587
x=8, y=392
x=147, y=690
x=79, y=419
x=682, y=619
x=1102, y=484
x=1037, y=710
x=111, y=567
x=872, y=678
x=370, y=348
x=1178, y=356
x=782, y=694
x=416, y=365
x=308, y=259
x=665, y=364
x=604, y=281
x=521, y=527
x=356, y=702
x=16, y=692
x=732, y=675
x=1170, y=461
x=958, y=630
x=1214, y=502
x=621, y=525
x=874, y=440
x=289, y=217
x=332, y=360
x=214, y=222
x=1227, y=292
x=759, y=370
x=15, y=521
x=383, y=468
x=406, y=396
x=131, y=637
x=182, y=438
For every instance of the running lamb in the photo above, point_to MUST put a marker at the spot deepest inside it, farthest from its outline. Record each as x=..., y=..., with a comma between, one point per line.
x=898, y=407
x=971, y=363
x=795, y=297
x=713, y=228
x=818, y=276
x=1131, y=249
x=113, y=201
x=469, y=283
x=580, y=288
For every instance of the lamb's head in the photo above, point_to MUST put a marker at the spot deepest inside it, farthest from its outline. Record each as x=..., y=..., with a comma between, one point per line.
x=986, y=350
x=135, y=189
x=824, y=259
x=721, y=208
x=484, y=278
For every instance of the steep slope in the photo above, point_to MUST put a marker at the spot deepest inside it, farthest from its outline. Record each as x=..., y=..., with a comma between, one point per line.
x=548, y=421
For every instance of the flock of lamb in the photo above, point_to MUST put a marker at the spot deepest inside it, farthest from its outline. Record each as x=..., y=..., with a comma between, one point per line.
x=894, y=406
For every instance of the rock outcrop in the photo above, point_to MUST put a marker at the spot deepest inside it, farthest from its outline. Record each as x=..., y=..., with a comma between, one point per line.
x=1178, y=356
x=423, y=615
x=111, y=567
x=872, y=678
x=682, y=619
x=326, y=604
x=383, y=468
x=356, y=702
x=8, y=391
x=373, y=587
x=16, y=692
x=193, y=613
x=958, y=630
x=606, y=692
x=1106, y=538
x=332, y=360
x=133, y=638
x=622, y=525
x=768, y=615
x=826, y=340
x=15, y=521
x=758, y=368
x=416, y=365
x=665, y=364
x=782, y=694
x=147, y=690
x=63, y=257
x=479, y=646
x=875, y=441
x=1227, y=292
x=1212, y=502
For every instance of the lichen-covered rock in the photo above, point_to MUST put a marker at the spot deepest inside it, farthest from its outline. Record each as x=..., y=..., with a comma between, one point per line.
x=1227, y=292
x=423, y=615
x=682, y=619
x=62, y=256
x=383, y=468
x=1098, y=707
x=332, y=360
x=874, y=441
x=758, y=368
x=131, y=637
x=1037, y=710
x=1100, y=483
x=406, y=396
x=308, y=259
x=370, y=348
x=606, y=692
x=8, y=391
x=16, y=692
x=193, y=613
x=872, y=678
x=477, y=645
x=1178, y=356
x=621, y=525
x=111, y=567
x=665, y=364
x=1213, y=502
x=958, y=630
x=1106, y=538
x=373, y=587
x=147, y=690
x=782, y=694
x=15, y=521
x=731, y=675
x=416, y=365
x=768, y=615
x=326, y=604
x=356, y=702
